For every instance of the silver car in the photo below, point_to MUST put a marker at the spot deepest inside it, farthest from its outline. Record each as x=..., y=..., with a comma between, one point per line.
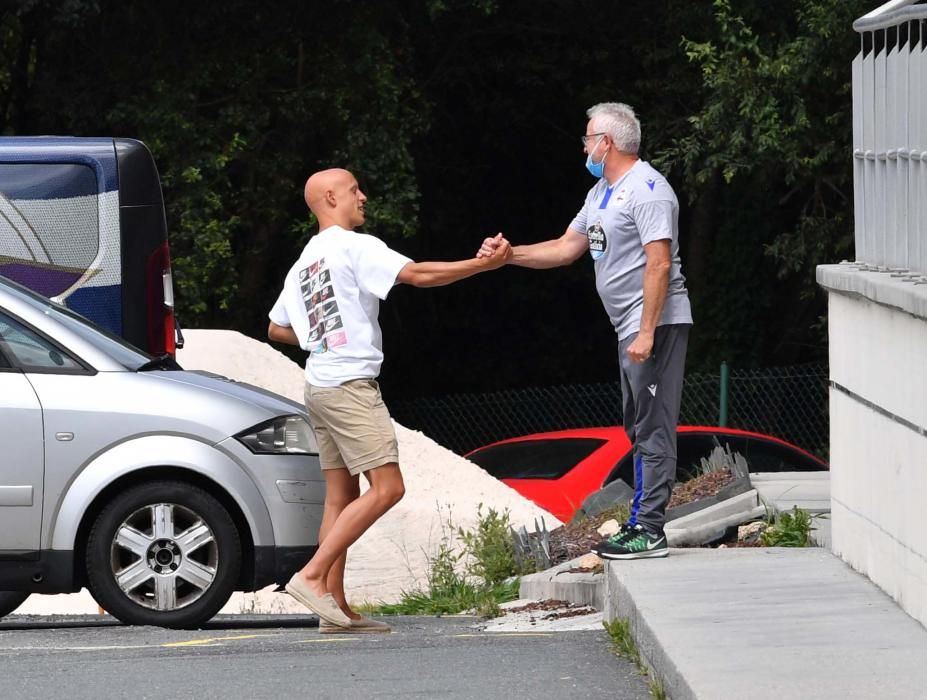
x=160, y=490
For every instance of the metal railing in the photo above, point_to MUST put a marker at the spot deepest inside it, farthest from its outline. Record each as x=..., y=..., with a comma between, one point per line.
x=890, y=139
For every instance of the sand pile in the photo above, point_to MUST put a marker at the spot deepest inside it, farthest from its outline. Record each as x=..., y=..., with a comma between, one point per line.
x=392, y=556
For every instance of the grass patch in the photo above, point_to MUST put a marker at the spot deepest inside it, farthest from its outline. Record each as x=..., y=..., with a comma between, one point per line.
x=465, y=597
x=624, y=646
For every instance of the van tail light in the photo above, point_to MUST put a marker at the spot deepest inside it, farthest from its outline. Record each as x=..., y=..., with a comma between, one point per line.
x=159, y=296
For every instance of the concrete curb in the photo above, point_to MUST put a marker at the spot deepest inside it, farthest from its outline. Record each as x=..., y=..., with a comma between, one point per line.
x=555, y=584
x=619, y=604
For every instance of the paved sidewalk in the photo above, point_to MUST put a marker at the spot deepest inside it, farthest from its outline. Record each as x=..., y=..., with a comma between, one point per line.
x=728, y=624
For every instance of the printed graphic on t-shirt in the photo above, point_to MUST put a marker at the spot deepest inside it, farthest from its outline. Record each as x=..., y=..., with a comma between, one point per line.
x=597, y=242
x=326, y=329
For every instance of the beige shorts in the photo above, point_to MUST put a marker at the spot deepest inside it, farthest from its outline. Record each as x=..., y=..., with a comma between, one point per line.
x=352, y=426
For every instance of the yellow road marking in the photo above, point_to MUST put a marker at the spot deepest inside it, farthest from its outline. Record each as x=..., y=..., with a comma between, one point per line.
x=325, y=641
x=210, y=640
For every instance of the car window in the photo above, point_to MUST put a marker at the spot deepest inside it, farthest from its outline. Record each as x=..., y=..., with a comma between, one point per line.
x=115, y=347
x=27, y=350
x=769, y=456
x=624, y=470
x=535, y=459
x=691, y=449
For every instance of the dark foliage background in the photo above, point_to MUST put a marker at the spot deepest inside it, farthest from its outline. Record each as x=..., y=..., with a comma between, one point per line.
x=461, y=118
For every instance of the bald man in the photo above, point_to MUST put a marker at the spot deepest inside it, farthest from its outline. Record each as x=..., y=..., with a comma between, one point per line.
x=329, y=307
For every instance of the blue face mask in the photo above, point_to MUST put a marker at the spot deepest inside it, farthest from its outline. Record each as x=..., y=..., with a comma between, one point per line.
x=596, y=169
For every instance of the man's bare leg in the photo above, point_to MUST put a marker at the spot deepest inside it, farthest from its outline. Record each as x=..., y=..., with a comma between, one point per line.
x=386, y=489
x=341, y=489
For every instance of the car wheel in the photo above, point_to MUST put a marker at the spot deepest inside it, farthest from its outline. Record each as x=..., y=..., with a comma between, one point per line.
x=163, y=553
x=10, y=600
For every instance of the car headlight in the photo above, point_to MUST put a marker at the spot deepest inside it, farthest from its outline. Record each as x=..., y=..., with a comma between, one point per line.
x=283, y=435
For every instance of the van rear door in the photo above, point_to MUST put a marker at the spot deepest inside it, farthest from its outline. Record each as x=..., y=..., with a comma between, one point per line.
x=82, y=220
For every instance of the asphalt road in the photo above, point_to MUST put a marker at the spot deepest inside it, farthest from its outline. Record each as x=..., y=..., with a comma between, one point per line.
x=285, y=656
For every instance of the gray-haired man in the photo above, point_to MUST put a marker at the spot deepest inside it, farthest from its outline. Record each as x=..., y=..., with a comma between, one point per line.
x=629, y=226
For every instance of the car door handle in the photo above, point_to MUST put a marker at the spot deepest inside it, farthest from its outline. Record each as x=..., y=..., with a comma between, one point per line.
x=15, y=495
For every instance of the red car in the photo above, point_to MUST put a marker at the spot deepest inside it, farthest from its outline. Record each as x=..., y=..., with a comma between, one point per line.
x=558, y=470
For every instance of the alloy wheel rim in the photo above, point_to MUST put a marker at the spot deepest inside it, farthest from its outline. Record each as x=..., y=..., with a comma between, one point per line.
x=164, y=557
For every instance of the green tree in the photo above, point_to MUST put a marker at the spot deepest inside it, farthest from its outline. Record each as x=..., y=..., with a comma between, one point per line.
x=768, y=149
x=461, y=118
x=239, y=102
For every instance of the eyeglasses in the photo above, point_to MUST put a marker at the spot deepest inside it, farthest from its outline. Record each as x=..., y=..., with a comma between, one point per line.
x=585, y=139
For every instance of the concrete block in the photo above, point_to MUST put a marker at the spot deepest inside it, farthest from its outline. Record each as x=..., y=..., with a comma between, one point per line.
x=711, y=531
x=735, y=488
x=616, y=493
x=810, y=491
x=556, y=584
x=732, y=506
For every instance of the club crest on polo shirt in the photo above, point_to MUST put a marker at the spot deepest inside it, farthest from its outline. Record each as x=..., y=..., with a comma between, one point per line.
x=597, y=241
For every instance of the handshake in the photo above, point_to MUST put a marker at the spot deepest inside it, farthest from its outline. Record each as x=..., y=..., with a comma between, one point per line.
x=495, y=251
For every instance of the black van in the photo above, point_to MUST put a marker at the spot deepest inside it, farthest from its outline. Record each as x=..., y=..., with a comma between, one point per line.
x=82, y=222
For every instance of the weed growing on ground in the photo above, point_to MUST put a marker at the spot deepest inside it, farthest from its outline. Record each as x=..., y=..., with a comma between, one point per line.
x=623, y=645
x=623, y=642
x=486, y=558
x=466, y=597
x=789, y=529
x=490, y=548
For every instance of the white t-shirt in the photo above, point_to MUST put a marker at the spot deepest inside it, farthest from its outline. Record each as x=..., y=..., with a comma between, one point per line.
x=331, y=299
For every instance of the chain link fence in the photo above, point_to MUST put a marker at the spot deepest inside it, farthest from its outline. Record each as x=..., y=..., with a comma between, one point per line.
x=787, y=402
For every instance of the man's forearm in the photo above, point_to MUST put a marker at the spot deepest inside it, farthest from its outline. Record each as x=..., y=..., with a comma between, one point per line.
x=656, y=285
x=438, y=274
x=539, y=256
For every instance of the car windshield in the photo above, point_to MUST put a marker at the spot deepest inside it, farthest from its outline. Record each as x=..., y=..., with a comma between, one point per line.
x=535, y=459
x=115, y=347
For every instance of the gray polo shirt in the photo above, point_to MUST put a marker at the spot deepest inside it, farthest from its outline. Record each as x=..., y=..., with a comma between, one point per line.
x=619, y=221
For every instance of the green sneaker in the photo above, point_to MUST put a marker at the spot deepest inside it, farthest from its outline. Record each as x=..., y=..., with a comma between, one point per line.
x=623, y=530
x=632, y=543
